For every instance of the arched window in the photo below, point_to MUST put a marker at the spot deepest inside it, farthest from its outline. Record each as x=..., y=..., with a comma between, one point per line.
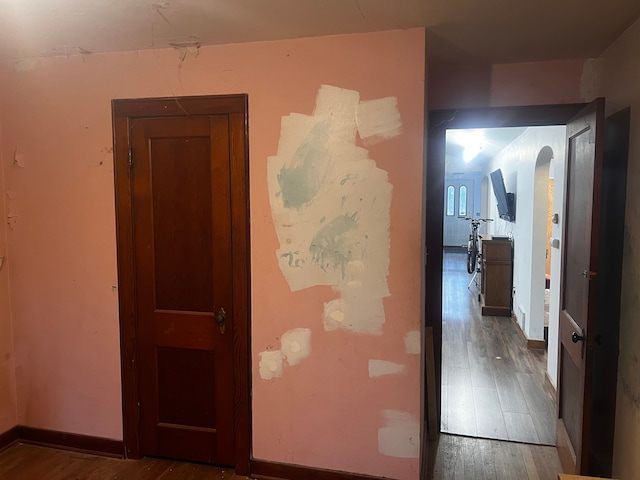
x=462, y=204
x=451, y=201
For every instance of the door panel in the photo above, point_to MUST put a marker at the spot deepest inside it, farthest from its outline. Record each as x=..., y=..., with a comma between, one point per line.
x=456, y=228
x=182, y=242
x=579, y=286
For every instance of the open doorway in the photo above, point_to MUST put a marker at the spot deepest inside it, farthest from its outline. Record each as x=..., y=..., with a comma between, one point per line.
x=494, y=377
x=440, y=122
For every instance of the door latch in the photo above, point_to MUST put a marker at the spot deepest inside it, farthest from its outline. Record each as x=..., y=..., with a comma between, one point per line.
x=221, y=318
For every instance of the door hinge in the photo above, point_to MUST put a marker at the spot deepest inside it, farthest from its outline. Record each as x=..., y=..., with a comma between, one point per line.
x=139, y=410
x=130, y=157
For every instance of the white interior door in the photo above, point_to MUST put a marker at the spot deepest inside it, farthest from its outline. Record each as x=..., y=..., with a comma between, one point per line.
x=458, y=204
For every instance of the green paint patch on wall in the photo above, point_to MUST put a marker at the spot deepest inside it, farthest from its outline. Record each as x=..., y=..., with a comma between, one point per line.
x=334, y=246
x=301, y=180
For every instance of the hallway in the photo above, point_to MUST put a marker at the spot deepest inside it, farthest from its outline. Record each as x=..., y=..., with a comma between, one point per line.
x=492, y=385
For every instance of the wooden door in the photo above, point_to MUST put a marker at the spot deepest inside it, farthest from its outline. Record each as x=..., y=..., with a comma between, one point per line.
x=578, y=288
x=188, y=265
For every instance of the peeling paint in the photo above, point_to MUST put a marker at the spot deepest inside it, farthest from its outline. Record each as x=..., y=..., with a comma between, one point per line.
x=185, y=49
x=16, y=160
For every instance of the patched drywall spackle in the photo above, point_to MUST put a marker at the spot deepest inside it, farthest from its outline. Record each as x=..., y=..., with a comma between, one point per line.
x=270, y=364
x=379, y=368
x=378, y=120
x=412, y=342
x=296, y=345
x=400, y=437
x=330, y=205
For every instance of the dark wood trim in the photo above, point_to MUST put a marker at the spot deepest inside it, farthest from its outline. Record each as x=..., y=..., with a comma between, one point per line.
x=126, y=284
x=535, y=344
x=66, y=441
x=9, y=437
x=438, y=123
x=236, y=106
x=239, y=149
x=496, y=311
x=264, y=470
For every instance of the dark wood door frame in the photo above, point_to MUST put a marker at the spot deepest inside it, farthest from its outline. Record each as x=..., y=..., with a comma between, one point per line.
x=438, y=123
x=123, y=112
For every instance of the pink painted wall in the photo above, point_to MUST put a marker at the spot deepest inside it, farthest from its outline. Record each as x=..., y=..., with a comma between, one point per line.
x=56, y=116
x=8, y=408
x=536, y=83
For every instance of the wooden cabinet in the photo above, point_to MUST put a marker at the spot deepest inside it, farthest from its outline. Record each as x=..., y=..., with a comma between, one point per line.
x=497, y=269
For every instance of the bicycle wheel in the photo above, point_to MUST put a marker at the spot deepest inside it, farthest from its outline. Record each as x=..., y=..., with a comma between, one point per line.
x=472, y=257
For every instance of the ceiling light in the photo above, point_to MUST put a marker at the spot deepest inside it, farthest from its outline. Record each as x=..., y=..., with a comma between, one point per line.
x=472, y=141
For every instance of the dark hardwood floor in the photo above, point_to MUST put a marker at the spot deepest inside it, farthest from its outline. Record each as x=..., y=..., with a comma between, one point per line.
x=463, y=458
x=493, y=386
x=32, y=462
x=451, y=458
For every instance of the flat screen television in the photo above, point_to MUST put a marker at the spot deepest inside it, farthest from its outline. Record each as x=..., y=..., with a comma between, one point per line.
x=506, y=201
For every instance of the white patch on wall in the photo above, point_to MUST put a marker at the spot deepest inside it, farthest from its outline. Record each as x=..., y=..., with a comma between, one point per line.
x=296, y=345
x=270, y=364
x=378, y=120
x=379, y=368
x=363, y=315
x=412, y=342
x=400, y=437
x=330, y=205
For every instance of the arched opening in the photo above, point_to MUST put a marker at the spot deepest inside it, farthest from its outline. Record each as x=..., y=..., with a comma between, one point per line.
x=540, y=251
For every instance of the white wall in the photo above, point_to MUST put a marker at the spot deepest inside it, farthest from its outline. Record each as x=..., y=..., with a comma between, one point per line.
x=518, y=165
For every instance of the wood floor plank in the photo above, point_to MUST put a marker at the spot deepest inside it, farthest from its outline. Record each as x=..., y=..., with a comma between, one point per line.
x=509, y=391
x=489, y=417
x=480, y=364
x=473, y=464
x=520, y=427
x=514, y=461
x=488, y=460
x=459, y=377
x=30, y=462
x=538, y=398
x=444, y=411
x=492, y=353
x=461, y=415
x=545, y=425
x=529, y=463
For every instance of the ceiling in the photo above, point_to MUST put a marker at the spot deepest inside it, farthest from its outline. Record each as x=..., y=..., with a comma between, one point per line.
x=493, y=141
x=495, y=31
